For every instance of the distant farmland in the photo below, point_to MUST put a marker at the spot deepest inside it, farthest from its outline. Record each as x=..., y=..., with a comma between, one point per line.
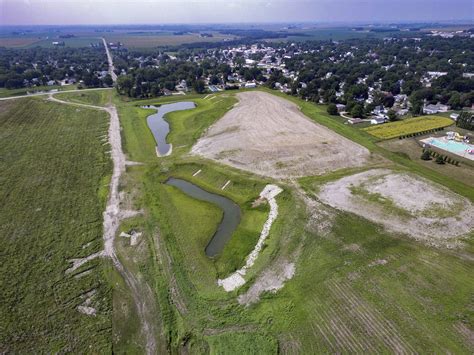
x=159, y=40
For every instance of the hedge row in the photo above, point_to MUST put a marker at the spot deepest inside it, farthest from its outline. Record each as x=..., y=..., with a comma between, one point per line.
x=421, y=133
x=443, y=158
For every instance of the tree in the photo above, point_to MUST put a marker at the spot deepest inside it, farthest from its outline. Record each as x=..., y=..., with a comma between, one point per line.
x=214, y=80
x=125, y=84
x=199, y=86
x=332, y=110
x=439, y=160
x=392, y=115
x=357, y=111
x=108, y=80
x=426, y=155
x=455, y=101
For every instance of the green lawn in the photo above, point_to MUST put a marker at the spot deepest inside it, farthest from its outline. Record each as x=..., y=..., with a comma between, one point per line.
x=53, y=187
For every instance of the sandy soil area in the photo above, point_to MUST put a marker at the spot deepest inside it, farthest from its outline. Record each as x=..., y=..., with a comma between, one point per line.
x=403, y=203
x=269, y=136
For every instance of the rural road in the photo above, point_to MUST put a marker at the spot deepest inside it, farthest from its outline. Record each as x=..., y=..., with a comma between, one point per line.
x=110, y=60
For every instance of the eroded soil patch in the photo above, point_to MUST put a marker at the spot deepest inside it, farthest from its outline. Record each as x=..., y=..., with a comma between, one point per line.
x=403, y=203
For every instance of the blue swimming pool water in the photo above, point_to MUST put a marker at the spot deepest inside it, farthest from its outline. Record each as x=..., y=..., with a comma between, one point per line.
x=451, y=146
x=459, y=148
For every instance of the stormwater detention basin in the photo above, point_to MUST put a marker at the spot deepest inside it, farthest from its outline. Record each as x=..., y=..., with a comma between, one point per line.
x=230, y=219
x=158, y=125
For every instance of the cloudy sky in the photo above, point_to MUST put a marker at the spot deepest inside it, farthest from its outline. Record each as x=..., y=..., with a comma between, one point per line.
x=14, y=12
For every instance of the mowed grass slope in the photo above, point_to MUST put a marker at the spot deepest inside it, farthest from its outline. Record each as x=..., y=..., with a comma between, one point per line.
x=408, y=126
x=53, y=186
x=95, y=97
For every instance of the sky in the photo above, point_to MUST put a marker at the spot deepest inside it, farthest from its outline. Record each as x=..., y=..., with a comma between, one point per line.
x=72, y=12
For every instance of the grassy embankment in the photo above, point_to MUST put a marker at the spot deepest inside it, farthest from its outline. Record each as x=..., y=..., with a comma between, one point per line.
x=338, y=296
x=53, y=189
x=185, y=224
x=95, y=98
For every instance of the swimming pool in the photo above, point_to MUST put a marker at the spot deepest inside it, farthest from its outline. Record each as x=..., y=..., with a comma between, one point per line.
x=459, y=148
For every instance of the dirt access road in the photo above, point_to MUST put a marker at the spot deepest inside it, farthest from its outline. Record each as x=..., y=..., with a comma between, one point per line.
x=269, y=136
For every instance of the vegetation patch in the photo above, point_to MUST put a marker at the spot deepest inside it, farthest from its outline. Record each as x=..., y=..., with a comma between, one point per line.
x=408, y=126
x=95, y=98
x=54, y=173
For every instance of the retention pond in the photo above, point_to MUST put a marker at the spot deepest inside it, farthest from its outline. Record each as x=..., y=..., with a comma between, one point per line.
x=229, y=222
x=160, y=128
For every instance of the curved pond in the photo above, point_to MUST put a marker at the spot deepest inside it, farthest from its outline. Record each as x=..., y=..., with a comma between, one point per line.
x=158, y=125
x=229, y=222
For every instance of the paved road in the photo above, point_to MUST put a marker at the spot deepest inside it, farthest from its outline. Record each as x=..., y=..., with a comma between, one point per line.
x=111, y=62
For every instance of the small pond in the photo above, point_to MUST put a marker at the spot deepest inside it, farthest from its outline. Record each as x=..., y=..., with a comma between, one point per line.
x=158, y=125
x=229, y=222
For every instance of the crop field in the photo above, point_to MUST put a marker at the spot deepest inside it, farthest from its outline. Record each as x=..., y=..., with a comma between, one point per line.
x=53, y=186
x=161, y=40
x=408, y=126
x=18, y=42
x=358, y=287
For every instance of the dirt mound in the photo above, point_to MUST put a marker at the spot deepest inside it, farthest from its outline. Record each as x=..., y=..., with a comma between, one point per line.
x=269, y=136
x=403, y=203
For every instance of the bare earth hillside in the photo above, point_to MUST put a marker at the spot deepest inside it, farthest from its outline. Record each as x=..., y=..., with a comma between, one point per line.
x=269, y=136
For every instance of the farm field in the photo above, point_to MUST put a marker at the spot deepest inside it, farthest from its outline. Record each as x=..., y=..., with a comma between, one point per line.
x=366, y=288
x=53, y=187
x=408, y=126
x=18, y=42
x=145, y=40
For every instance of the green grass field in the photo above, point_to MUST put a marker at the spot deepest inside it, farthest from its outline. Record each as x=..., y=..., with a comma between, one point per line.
x=342, y=299
x=408, y=126
x=95, y=98
x=357, y=288
x=53, y=186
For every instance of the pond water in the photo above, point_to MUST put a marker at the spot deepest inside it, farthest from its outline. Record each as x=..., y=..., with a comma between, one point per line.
x=158, y=125
x=229, y=222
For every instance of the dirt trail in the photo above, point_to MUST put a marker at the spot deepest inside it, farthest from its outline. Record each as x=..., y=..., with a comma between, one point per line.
x=141, y=293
